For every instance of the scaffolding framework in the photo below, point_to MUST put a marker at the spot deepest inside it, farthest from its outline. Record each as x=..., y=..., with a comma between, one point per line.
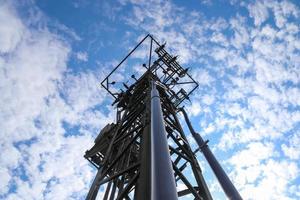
x=146, y=154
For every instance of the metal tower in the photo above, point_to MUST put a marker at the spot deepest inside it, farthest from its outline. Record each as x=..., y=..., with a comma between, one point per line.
x=145, y=154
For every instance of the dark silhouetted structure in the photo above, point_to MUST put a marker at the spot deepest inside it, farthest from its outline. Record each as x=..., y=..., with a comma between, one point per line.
x=145, y=155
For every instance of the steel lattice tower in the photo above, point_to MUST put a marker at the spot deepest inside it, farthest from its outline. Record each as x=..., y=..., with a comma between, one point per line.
x=145, y=154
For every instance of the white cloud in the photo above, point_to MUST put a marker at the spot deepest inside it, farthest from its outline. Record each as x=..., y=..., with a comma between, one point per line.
x=202, y=76
x=253, y=154
x=28, y=80
x=82, y=56
x=37, y=96
x=208, y=99
x=259, y=12
x=276, y=177
x=282, y=10
x=5, y=178
x=258, y=171
x=11, y=29
x=291, y=150
x=82, y=91
x=194, y=109
x=241, y=34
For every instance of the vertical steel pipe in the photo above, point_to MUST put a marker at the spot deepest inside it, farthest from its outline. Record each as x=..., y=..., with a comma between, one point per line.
x=95, y=186
x=163, y=185
x=142, y=189
x=221, y=175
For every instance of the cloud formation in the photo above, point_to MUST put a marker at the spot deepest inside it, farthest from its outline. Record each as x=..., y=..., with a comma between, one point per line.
x=248, y=102
x=41, y=101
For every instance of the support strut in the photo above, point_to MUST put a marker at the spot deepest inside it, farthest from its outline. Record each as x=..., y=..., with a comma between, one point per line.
x=221, y=175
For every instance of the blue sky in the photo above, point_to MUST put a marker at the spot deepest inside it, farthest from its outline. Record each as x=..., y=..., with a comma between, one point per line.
x=53, y=55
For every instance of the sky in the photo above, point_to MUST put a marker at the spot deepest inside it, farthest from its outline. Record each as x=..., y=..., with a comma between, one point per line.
x=245, y=56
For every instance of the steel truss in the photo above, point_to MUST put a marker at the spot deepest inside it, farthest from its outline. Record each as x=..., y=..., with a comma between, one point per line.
x=145, y=154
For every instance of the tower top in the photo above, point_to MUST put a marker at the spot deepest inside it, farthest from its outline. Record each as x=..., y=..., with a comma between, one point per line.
x=148, y=56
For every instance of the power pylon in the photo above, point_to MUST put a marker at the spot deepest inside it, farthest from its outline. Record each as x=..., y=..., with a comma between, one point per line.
x=146, y=154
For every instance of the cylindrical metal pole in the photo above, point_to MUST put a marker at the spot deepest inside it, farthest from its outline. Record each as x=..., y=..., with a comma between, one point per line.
x=142, y=189
x=163, y=185
x=95, y=186
x=221, y=175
